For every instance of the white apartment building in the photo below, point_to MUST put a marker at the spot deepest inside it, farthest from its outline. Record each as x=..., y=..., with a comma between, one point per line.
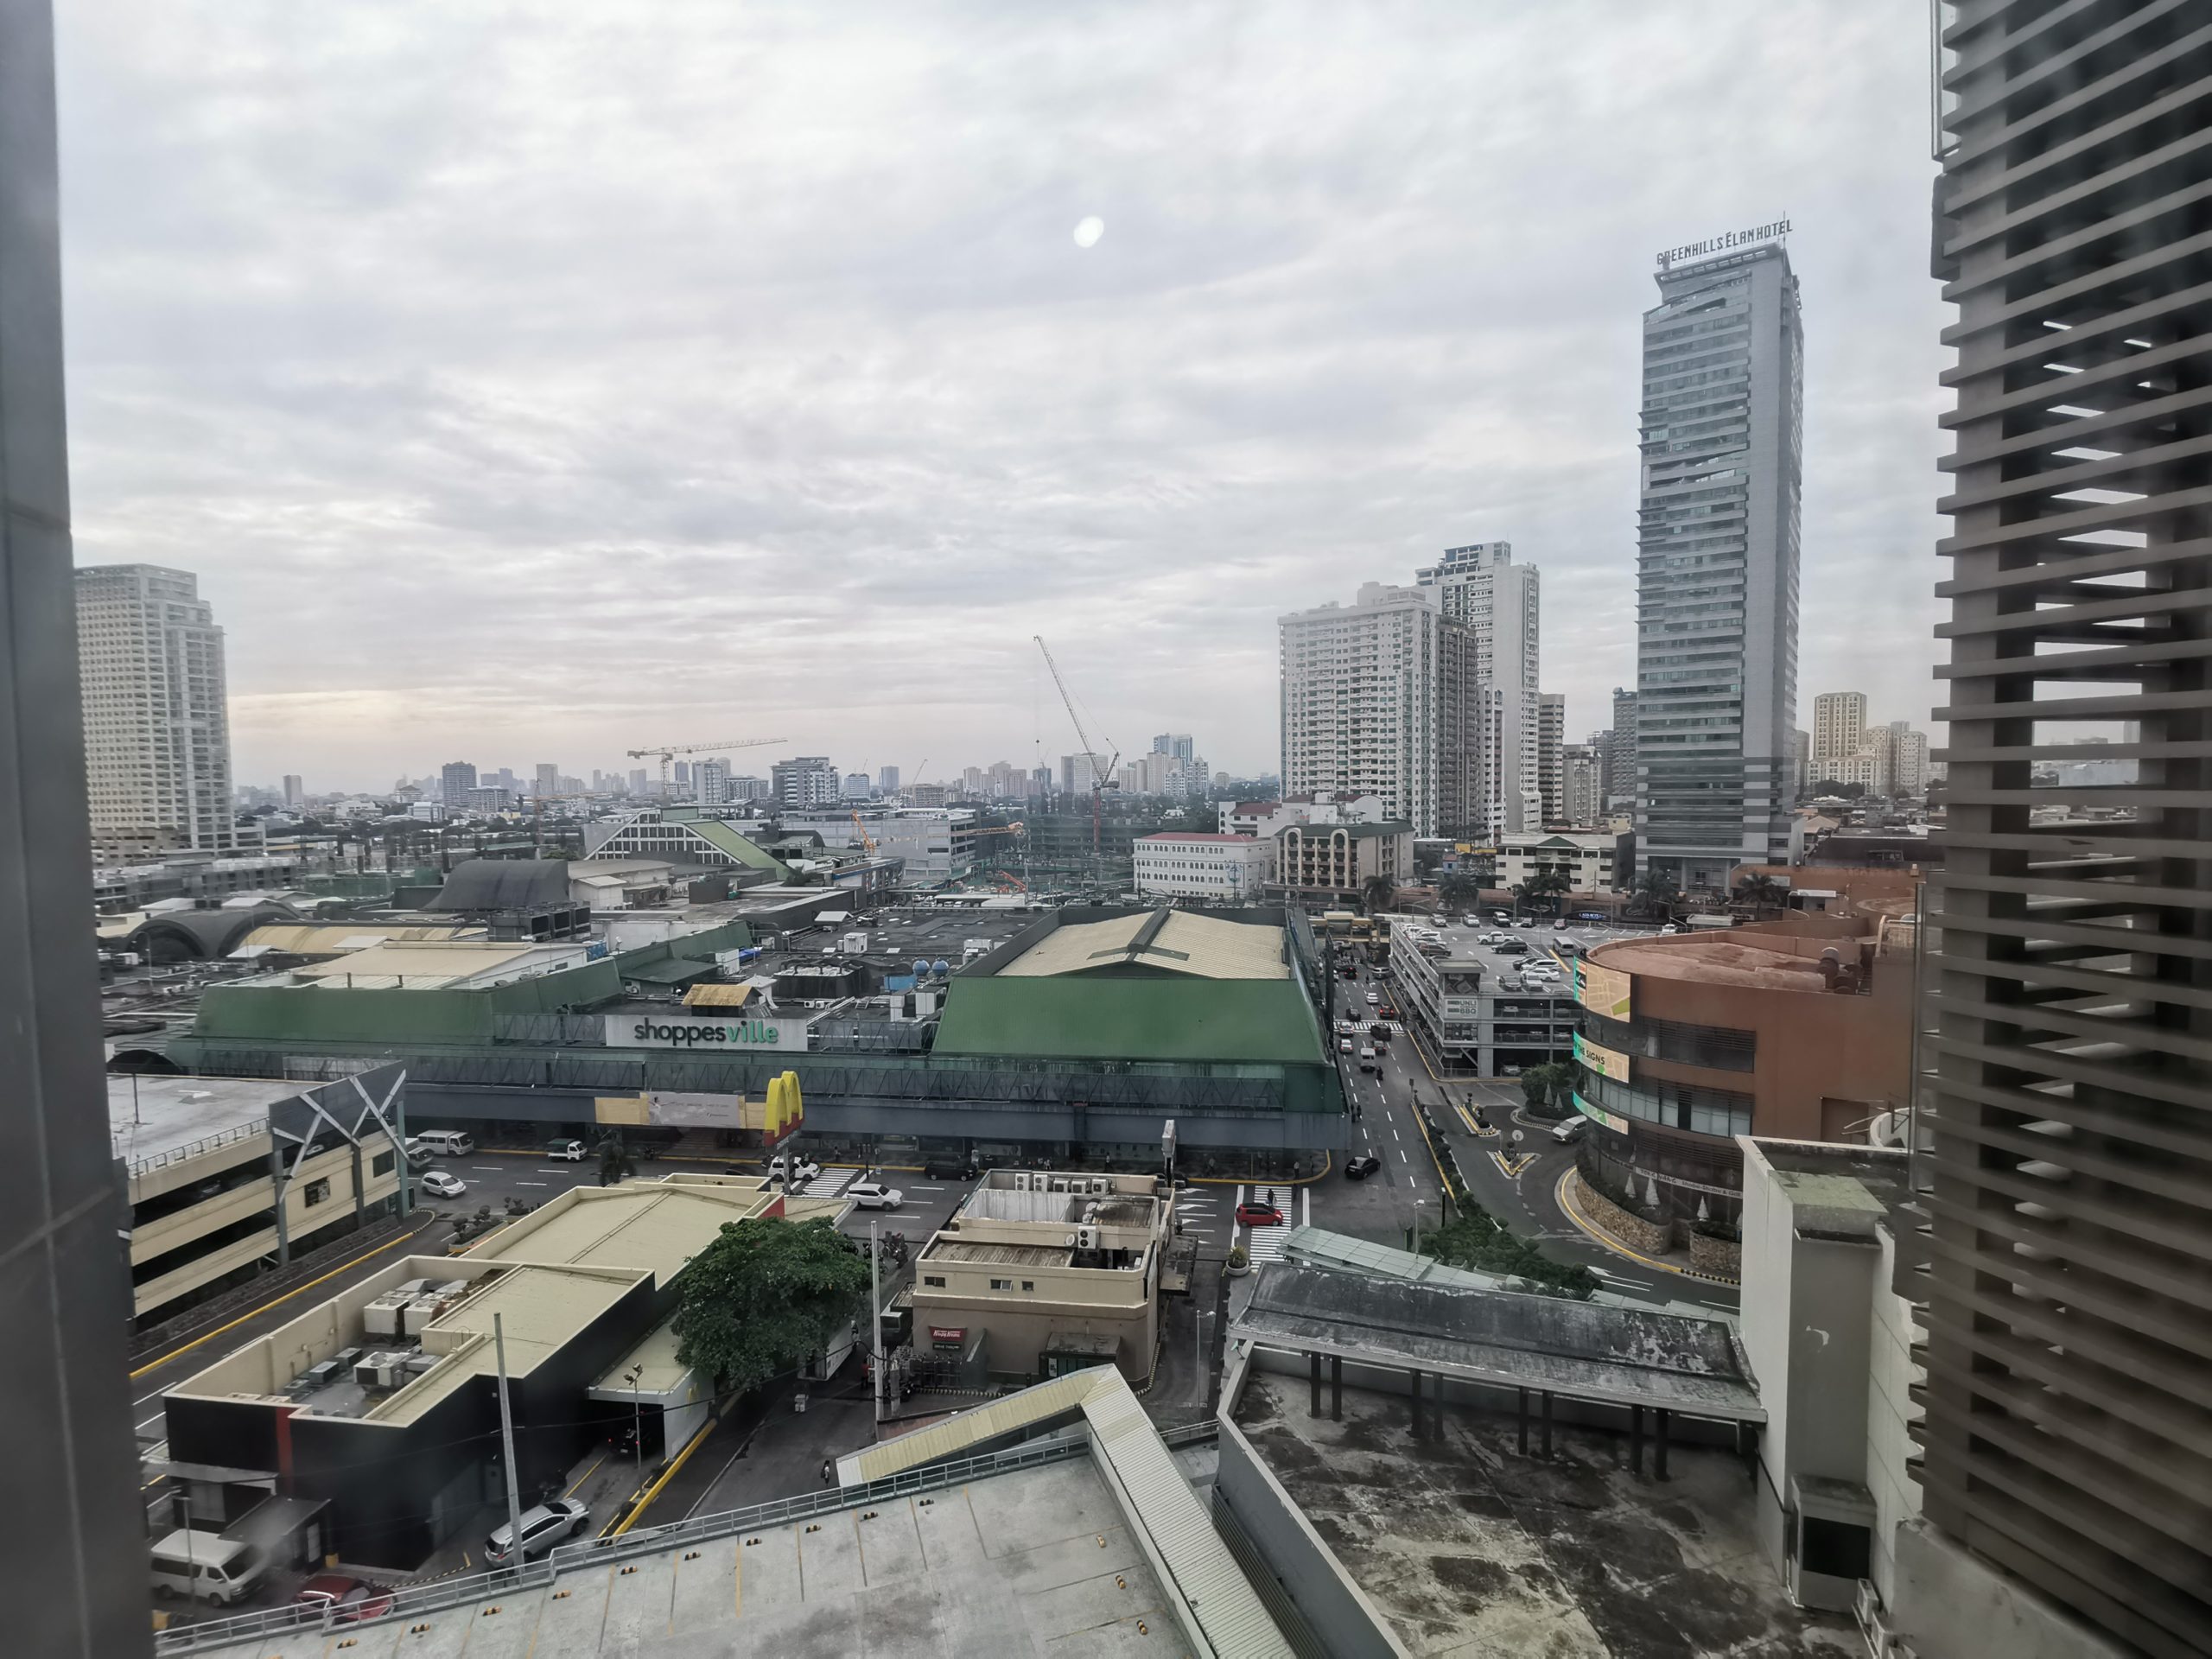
x=1551, y=742
x=157, y=731
x=1264, y=818
x=1909, y=769
x=1480, y=586
x=1379, y=697
x=1839, y=731
x=1582, y=784
x=1333, y=863
x=1191, y=865
x=1587, y=861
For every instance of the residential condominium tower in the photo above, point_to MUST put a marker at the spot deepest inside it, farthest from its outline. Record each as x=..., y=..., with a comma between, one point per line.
x=1499, y=600
x=157, y=730
x=1380, y=697
x=1551, y=740
x=1716, y=666
x=2065, y=1169
x=1839, y=731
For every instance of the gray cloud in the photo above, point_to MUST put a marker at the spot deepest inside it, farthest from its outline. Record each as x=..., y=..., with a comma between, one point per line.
x=530, y=383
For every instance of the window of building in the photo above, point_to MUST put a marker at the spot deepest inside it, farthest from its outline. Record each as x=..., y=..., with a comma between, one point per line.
x=934, y=1281
x=382, y=1163
x=316, y=1190
x=1001, y=1284
x=1029, y=1284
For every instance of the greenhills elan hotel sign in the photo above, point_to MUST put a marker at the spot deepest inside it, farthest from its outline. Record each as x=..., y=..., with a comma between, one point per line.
x=705, y=1036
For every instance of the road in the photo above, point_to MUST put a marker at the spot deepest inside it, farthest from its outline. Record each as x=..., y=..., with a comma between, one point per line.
x=1387, y=1126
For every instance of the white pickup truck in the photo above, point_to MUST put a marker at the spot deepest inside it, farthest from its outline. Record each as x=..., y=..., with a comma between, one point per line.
x=793, y=1171
x=872, y=1194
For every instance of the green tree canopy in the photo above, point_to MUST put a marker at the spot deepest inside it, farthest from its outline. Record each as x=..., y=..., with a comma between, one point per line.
x=764, y=1295
x=1546, y=1087
x=615, y=1162
x=1379, y=892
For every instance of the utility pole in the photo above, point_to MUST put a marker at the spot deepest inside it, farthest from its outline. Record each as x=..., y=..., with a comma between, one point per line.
x=507, y=1447
x=876, y=1316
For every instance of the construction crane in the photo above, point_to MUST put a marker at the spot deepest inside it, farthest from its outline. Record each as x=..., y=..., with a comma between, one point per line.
x=1101, y=777
x=867, y=840
x=668, y=752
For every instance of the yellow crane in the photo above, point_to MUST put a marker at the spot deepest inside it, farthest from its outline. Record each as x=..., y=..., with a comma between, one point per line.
x=668, y=752
x=867, y=840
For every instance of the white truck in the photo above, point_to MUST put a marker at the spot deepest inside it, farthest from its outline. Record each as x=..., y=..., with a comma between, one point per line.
x=203, y=1567
x=872, y=1194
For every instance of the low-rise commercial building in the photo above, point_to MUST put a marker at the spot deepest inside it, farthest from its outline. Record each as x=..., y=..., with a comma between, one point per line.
x=1587, y=859
x=1797, y=1029
x=690, y=838
x=1179, y=863
x=937, y=844
x=1471, y=1004
x=1047, y=1272
x=1331, y=864
x=229, y=1177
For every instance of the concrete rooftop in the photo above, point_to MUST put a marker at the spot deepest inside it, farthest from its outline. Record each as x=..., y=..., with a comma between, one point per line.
x=1035, y=1562
x=1467, y=1548
x=149, y=1115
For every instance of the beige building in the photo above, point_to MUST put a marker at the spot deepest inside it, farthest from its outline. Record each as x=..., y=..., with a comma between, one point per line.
x=157, y=732
x=220, y=1190
x=1335, y=861
x=1839, y=732
x=1055, y=1271
x=1584, y=859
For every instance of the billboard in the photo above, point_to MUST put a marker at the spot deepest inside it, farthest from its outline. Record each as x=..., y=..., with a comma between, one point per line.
x=1612, y=1121
x=1603, y=990
x=1606, y=1062
x=706, y=1035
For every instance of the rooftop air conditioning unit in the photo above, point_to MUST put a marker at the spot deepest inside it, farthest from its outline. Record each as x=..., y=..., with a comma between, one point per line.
x=1021, y=1180
x=1086, y=1239
x=1103, y=1183
x=320, y=1375
x=1059, y=1184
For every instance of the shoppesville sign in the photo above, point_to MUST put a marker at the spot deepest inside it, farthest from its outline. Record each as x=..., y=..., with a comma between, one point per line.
x=656, y=1031
x=1725, y=242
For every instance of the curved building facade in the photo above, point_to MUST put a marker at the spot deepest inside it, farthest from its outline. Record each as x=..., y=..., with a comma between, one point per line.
x=1798, y=1029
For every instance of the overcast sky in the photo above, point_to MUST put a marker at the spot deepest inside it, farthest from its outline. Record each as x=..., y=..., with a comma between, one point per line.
x=536, y=381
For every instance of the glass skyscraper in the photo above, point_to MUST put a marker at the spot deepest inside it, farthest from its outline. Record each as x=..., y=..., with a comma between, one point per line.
x=1716, y=663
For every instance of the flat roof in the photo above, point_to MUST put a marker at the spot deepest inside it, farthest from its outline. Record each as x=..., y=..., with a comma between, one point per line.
x=540, y=1308
x=948, y=1248
x=651, y=1225
x=1586, y=1350
x=1462, y=1546
x=1038, y=1561
x=1789, y=962
x=1169, y=941
x=431, y=963
x=149, y=1116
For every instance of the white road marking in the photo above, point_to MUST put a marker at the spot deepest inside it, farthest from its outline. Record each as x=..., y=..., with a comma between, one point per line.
x=1306, y=1205
x=530, y=1184
x=1402, y=1156
x=494, y=1168
x=156, y=1418
x=913, y=1189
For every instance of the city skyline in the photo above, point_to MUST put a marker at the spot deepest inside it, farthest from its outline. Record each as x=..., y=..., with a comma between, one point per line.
x=418, y=531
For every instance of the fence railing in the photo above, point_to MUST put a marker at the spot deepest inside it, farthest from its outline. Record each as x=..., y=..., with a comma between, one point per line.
x=178, y=1154
x=414, y=1602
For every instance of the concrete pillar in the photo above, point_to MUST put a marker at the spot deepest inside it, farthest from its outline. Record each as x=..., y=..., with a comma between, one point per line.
x=1521, y=1417
x=1415, y=1376
x=1659, y=1445
x=1547, y=1422
x=1313, y=1383
x=1636, y=1440
x=1336, y=1388
x=277, y=1185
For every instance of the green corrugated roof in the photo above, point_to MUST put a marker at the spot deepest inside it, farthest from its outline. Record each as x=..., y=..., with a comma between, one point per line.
x=733, y=841
x=673, y=971
x=1085, y=1017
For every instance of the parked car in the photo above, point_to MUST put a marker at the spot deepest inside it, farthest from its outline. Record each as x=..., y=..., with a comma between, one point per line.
x=1258, y=1215
x=573, y=1151
x=451, y=1143
x=203, y=1567
x=418, y=1152
x=550, y=1523
x=1511, y=983
x=950, y=1169
x=797, y=1171
x=872, y=1194
x=442, y=1184
x=1359, y=1169
x=1670, y=928
x=348, y=1599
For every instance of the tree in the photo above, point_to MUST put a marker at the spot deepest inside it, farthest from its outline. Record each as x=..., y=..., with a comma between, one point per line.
x=615, y=1161
x=1544, y=884
x=1656, y=894
x=1459, y=892
x=1763, y=892
x=1546, y=1087
x=764, y=1295
x=1378, y=892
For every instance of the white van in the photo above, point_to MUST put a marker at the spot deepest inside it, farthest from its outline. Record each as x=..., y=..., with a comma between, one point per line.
x=448, y=1143
x=203, y=1567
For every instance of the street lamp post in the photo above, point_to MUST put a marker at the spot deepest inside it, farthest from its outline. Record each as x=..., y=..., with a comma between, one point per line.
x=637, y=1410
x=1418, y=1203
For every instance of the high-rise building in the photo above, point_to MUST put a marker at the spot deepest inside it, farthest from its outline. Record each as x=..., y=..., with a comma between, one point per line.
x=1716, y=655
x=637, y=780
x=157, y=731
x=1551, y=740
x=455, y=780
x=1839, y=731
x=1908, y=759
x=1582, y=785
x=887, y=780
x=294, y=795
x=809, y=780
x=1380, y=697
x=548, y=780
x=681, y=774
x=1079, y=771
x=1801, y=761
x=2065, y=1171
x=856, y=787
x=1179, y=743
x=1499, y=600
x=1620, y=761
x=711, y=781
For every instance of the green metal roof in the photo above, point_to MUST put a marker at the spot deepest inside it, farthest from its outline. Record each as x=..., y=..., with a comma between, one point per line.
x=731, y=840
x=673, y=971
x=1086, y=1017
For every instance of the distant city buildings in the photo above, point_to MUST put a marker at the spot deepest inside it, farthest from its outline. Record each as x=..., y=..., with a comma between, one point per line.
x=1380, y=697
x=1582, y=783
x=548, y=780
x=157, y=736
x=295, y=796
x=857, y=787
x=1845, y=749
x=457, y=778
x=1551, y=742
x=887, y=780
x=1480, y=586
x=1839, y=731
x=1717, y=566
x=809, y=780
x=1620, y=756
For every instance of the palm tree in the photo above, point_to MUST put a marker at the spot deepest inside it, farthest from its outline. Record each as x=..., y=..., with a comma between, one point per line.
x=615, y=1163
x=1763, y=891
x=1545, y=884
x=1378, y=891
x=1655, y=893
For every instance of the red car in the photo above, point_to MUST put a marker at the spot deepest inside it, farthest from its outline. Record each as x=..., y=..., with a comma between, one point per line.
x=349, y=1599
x=1258, y=1215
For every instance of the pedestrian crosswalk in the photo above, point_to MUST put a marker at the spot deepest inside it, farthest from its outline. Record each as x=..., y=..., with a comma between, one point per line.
x=829, y=1184
x=1265, y=1244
